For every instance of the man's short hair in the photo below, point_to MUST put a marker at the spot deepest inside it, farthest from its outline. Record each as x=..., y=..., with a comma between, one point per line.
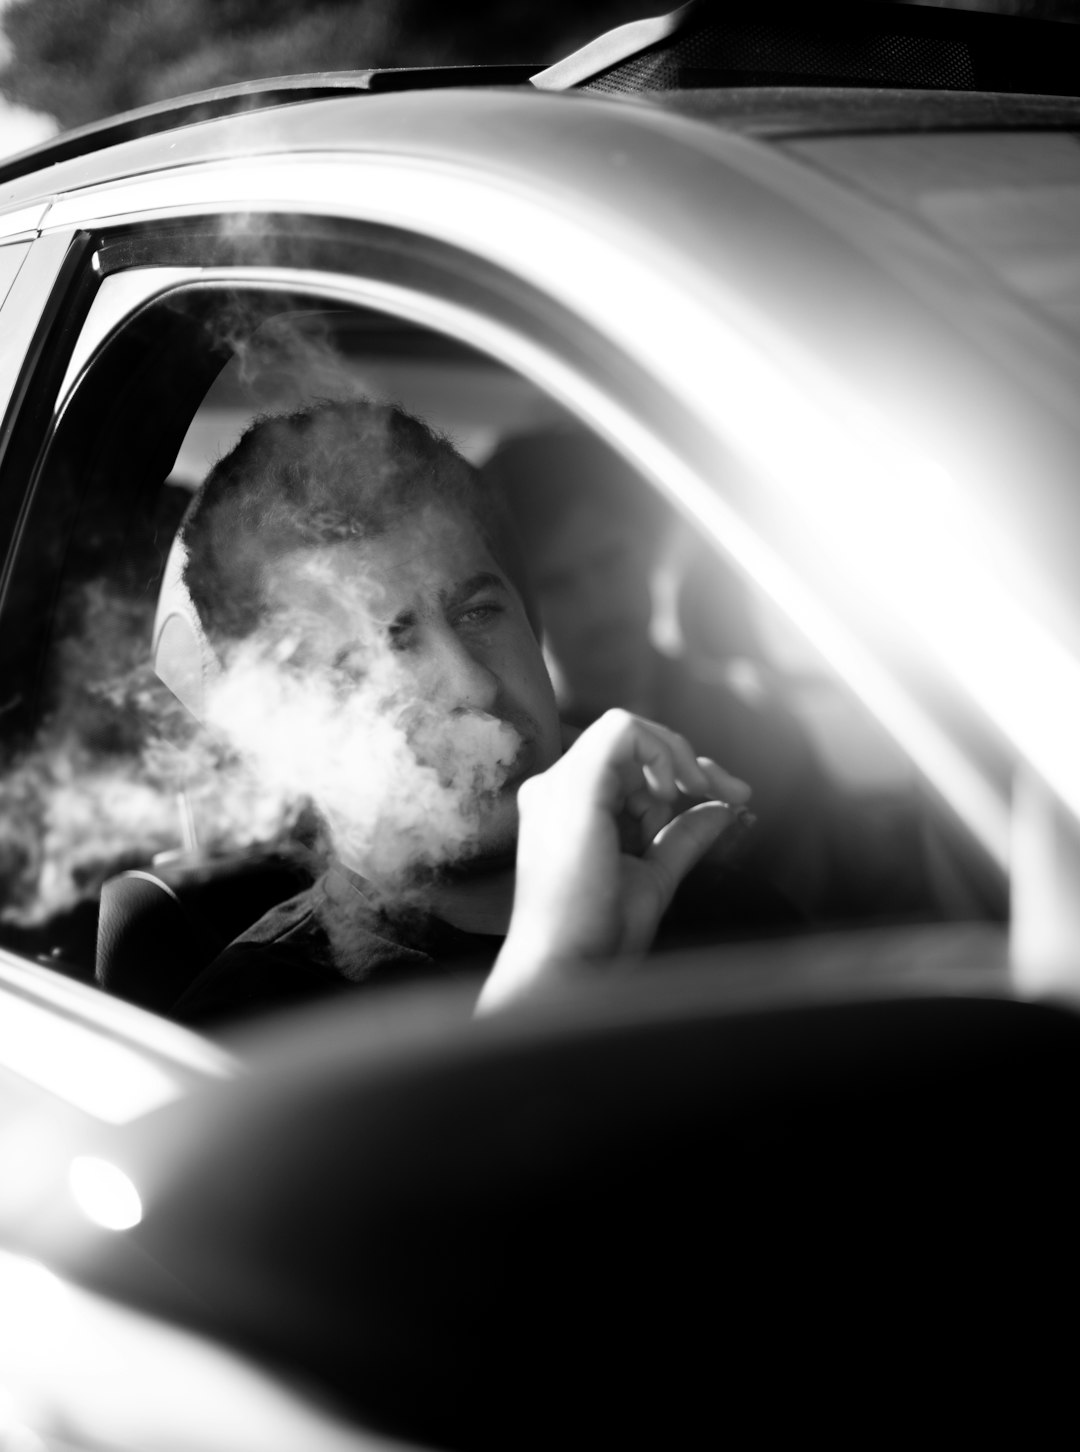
x=329, y=473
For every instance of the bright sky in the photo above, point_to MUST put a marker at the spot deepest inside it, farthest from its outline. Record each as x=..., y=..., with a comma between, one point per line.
x=20, y=128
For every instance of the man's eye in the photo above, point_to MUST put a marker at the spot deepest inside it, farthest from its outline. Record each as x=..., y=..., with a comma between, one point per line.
x=479, y=614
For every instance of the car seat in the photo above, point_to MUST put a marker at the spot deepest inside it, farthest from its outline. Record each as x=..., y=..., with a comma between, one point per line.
x=158, y=928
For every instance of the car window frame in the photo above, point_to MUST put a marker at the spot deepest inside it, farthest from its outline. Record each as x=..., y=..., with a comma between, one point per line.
x=440, y=286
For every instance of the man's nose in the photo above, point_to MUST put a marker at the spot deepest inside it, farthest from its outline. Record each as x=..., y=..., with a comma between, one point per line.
x=455, y=678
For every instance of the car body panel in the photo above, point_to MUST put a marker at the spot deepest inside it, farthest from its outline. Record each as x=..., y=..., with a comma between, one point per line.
x=19, y=222
x=12, y=258
x=22, y=308
x=179, y=1389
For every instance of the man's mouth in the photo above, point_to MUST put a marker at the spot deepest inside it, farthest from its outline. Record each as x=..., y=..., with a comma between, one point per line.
x=481, y=755
x=520, y=768
x=504, y=778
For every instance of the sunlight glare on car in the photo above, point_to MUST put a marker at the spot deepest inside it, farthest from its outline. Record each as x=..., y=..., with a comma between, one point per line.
x=873, y=497
x=104, y=1193
x=890, y=516
x=35, y=1308
x=894, y=531
x=87, y=1371
x=99, y=1075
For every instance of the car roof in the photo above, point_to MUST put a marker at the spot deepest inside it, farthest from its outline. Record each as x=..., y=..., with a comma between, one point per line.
x=245, y=96
x=512, y=126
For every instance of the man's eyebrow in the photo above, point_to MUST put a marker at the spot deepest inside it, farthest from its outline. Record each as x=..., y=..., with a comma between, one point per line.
x=452, y=596
x=483, y=580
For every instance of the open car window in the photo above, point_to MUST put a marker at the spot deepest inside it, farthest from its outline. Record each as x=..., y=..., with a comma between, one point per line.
x=105, y=773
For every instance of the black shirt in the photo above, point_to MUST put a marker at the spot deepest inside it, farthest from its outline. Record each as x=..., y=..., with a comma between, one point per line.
x=332, y=937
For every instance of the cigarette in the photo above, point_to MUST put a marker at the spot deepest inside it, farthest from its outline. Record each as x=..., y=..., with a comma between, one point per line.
x=742, y=815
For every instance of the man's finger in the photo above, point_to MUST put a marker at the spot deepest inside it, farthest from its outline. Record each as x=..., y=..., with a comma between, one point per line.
x=641, y=819
x=661, y=748
x=641, y=802
x=684, y=841
x=695, y=776
x=619, y=745
x=725, y=787
x=654, y=821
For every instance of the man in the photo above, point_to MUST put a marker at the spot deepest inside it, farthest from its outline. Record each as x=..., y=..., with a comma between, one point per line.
x=374, y=631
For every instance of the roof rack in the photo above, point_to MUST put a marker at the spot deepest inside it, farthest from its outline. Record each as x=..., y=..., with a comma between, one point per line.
x=866, y=43
x=250, y=96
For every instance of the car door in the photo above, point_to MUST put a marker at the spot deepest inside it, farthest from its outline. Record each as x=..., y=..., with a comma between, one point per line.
x=646, y=310
x=170, y=280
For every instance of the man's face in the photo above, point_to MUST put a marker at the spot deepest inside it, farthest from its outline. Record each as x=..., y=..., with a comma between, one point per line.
x=592, y=582
x=425, y=616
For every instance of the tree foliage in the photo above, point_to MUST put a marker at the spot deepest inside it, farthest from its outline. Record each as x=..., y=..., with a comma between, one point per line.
x=79, y=60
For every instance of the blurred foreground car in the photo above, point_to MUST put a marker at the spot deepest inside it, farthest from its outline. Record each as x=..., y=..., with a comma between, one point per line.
x=818, y=283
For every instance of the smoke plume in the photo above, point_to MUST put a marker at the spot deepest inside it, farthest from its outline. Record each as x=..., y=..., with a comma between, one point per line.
x=322, y=706
x=117, y=771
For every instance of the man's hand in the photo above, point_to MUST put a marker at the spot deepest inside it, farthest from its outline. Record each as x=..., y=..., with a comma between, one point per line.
x=602, y=846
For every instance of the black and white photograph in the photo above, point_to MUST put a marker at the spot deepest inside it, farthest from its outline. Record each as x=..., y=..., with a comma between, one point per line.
x=539, y=724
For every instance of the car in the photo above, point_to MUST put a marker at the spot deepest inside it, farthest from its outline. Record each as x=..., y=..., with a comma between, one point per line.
x=814, y=283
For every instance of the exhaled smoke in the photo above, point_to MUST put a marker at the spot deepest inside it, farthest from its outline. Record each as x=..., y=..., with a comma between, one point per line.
x=324, y=706
x=115, y=770
x=404, y=788
x=280, y=360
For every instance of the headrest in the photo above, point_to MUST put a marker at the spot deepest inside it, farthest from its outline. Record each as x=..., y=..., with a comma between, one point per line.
x=184, y=659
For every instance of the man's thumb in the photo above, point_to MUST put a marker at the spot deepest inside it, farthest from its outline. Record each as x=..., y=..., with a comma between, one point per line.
x=686, y=839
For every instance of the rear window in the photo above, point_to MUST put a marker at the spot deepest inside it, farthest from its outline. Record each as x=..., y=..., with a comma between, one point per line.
x=1008, y=200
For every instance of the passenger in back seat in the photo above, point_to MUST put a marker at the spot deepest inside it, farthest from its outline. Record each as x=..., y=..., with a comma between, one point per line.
x=592, y=536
